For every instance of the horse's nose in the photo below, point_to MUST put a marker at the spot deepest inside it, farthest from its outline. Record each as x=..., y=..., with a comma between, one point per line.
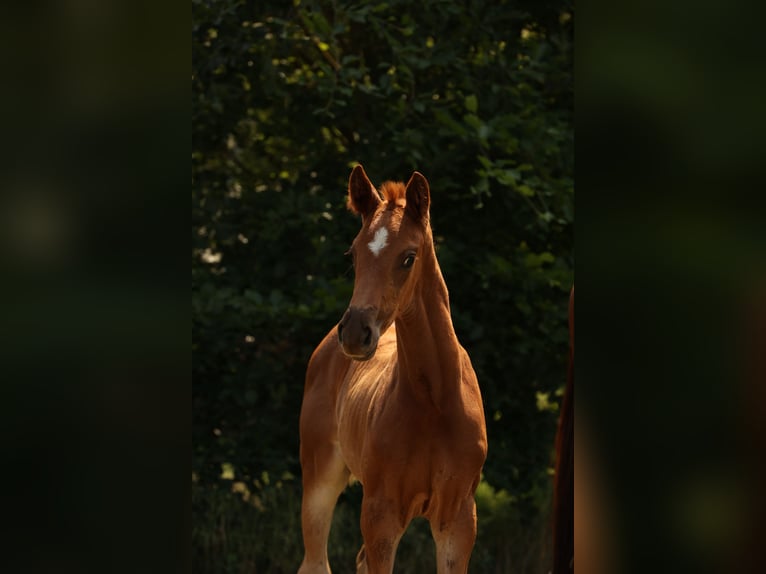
x=358, y=333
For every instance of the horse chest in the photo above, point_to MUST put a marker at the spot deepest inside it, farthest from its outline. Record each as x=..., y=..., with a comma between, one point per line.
x=417, y=446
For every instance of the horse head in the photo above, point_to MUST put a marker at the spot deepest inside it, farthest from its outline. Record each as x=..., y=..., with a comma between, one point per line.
x=387, y=255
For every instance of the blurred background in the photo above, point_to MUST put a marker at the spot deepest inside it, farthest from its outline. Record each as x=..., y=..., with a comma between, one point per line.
x=286, y=99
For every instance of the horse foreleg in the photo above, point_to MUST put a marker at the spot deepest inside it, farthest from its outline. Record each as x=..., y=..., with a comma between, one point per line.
x=455, y=539
x=324, y=477
x=381, y=529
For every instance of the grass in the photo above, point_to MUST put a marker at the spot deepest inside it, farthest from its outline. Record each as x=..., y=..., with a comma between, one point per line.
x=240, y=529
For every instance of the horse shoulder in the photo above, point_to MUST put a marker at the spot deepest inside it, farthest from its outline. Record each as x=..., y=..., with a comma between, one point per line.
x=325, y=370
x=325, y=360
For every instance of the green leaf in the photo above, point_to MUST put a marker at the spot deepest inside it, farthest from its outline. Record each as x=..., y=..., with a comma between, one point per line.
x=471, y=104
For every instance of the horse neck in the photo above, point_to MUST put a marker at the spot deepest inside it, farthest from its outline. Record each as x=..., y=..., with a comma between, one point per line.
x=427, y=346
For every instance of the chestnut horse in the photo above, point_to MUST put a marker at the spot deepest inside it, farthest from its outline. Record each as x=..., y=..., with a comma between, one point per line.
x=391, y=398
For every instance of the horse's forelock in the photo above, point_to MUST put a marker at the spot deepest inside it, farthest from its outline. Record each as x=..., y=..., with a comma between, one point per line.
x=393, y=191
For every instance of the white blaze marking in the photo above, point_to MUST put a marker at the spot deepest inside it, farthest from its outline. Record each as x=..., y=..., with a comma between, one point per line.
x=379, y=241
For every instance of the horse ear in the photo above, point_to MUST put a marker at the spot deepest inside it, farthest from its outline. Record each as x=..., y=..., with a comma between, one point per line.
x=418, y=196
x=363, y=198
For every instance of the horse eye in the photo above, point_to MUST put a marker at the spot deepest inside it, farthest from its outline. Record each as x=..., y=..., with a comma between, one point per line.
x=408, y=261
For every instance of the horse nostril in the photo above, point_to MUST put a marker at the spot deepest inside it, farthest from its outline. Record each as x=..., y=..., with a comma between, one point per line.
x=340, y=332
x=367, y=336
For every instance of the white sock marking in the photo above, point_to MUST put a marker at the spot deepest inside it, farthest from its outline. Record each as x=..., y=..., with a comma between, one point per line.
x=379, y=241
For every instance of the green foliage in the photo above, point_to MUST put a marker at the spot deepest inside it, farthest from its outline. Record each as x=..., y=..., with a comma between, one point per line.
x=286, y=98
x=509, y=541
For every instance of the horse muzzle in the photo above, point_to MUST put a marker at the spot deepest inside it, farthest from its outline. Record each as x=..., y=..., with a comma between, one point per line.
x=358, y=333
